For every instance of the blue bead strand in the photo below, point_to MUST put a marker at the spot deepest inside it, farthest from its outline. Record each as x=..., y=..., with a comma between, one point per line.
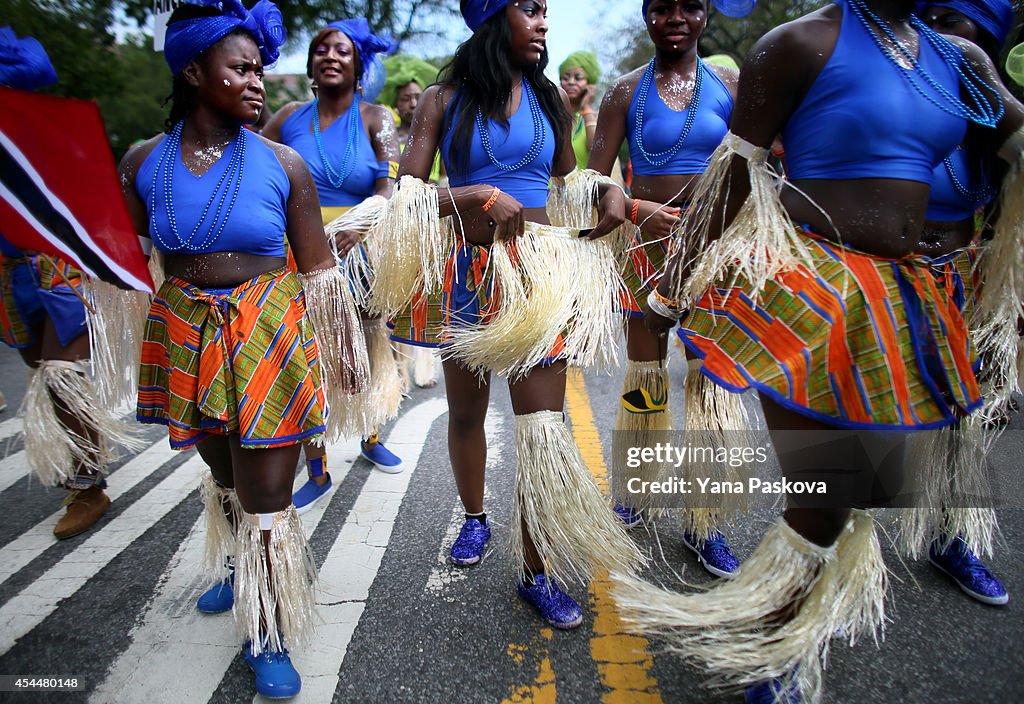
x=536, y=115
x=348, y=159
x=662, y=158
x=978, y=196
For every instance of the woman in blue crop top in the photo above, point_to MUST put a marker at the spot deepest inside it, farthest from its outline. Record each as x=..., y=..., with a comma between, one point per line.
x=230, y=363
x=669, y=147
x=816, y=300
x=495, y=90
x=351, y=147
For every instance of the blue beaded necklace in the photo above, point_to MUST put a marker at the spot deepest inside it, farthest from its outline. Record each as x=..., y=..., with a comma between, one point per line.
x=348, y=159
x=978, y=196
x=536, y=116
x=662, y=158
x=163, y=184
x=979, y=111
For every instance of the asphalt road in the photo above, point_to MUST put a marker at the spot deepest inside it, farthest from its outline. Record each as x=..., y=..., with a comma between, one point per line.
x=115, y=606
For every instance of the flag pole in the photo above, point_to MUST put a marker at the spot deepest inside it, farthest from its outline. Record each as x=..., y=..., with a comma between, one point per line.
x=74, y=290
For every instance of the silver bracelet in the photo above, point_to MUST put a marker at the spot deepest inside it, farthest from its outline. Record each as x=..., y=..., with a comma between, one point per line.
x=655, y=304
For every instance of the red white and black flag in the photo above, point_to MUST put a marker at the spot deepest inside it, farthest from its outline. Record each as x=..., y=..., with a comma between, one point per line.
x=59, y=190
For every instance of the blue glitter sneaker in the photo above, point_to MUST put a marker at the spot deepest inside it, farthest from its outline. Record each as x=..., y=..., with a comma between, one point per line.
x=276, y=678
x=555, y=606
x=714, y=555
x=218, y=598
x=468, y=548
x=630, y=517
x=309, y=494
x=381, y=457
x=973, y=577
x=772, y=692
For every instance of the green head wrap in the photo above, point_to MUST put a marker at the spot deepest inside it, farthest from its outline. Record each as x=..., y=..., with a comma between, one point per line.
x=403, y=69
x=1015, y=64
x=585, y=60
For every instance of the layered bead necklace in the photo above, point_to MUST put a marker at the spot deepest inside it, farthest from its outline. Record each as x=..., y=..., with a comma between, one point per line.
x=662, y=158
x=536, y=116
x=979, y=110
x=348, y=159
x=978, y=196
x=224, y=195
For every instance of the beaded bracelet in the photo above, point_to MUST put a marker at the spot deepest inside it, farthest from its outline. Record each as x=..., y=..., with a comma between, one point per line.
x=493, y=199
x=634, y=215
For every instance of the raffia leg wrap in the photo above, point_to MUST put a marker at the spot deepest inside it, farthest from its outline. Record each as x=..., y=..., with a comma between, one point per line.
x=574, y=531
x=220, y=503
x=275, y=580
x=424, y=366
x=635, y=430
x=862, y=580
x=715, y=418
x=956, y=496
x=362, y=414
x=55, y=452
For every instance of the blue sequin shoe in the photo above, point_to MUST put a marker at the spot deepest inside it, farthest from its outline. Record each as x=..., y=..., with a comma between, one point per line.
x=771, y=692
x=381, y=457
x=964, y=567
x=630, y=517
x=218, y=598
x=309, y=494
x=714, y=555
x=276, y=678
x=555, y=606
x=468, y=548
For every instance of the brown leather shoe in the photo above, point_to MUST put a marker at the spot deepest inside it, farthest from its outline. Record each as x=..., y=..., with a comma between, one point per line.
x=84, y=509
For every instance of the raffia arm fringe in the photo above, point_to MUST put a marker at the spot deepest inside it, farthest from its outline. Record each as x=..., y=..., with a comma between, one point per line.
x=760, y=243
x=412, y=243
x=364, y=218
x=956, y=495
x=219, y=502
x=572, y=203
x=555, y=284
x=716, y=420
x=572, y=527
x=53, y=451
x=332, y=312
x=362, y=414
x=634, y=430
x=116, y=331
x=275, y=582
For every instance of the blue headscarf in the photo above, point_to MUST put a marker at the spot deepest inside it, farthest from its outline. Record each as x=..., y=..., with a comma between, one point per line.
x=187, y=39
x=731, y=8
x=993, y=16
x=476, y=12
x=23, y=62
x=367, y=44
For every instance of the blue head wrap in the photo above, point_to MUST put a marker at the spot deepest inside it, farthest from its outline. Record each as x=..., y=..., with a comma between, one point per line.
x=367, y=44
x=993, y=16
x=476, y=12
x=23, y=62
x=731, y=8
x=187, y=39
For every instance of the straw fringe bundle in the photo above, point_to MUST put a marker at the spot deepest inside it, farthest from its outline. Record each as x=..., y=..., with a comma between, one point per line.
x=572, y=203
x=715, y=419
x=546, y=283
x=275, y=581
x=117, y=326
x=574, y=531
x=364, y=218
x=413, y=244
x=362, y=414
x=220, y=502
x=640, y=430
x=863, y=580
x=332, y=312
x=424, y=366
x=55, y=452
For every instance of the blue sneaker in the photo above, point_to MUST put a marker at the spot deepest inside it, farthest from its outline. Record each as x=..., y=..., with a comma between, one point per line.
x=964, y=567
x=218, y=598
x=630, y=517
x=276, y=678
x=381, y=457
x=555, y=606
x=772, y=692
x=714, y=555
x=468, y=548
x=309, y=494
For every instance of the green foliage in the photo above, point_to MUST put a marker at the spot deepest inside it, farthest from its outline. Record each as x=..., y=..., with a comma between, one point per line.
x=135, y=111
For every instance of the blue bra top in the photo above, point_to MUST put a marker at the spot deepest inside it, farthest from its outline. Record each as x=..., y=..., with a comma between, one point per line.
x=863, y=119
x=949, y=203
x=527, y=184
x=257, y=222
x=662, y=127
x=297, y=133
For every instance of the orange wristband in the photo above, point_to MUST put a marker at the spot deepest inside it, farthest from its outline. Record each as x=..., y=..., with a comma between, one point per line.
x=493, y=199
x=635, y=214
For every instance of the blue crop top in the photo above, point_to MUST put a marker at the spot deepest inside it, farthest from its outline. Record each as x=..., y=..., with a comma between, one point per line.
x=257, y=222
x=528, y=184
x=945, y=201
x=297, y=133
x=662, y=126
x=863, y=119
